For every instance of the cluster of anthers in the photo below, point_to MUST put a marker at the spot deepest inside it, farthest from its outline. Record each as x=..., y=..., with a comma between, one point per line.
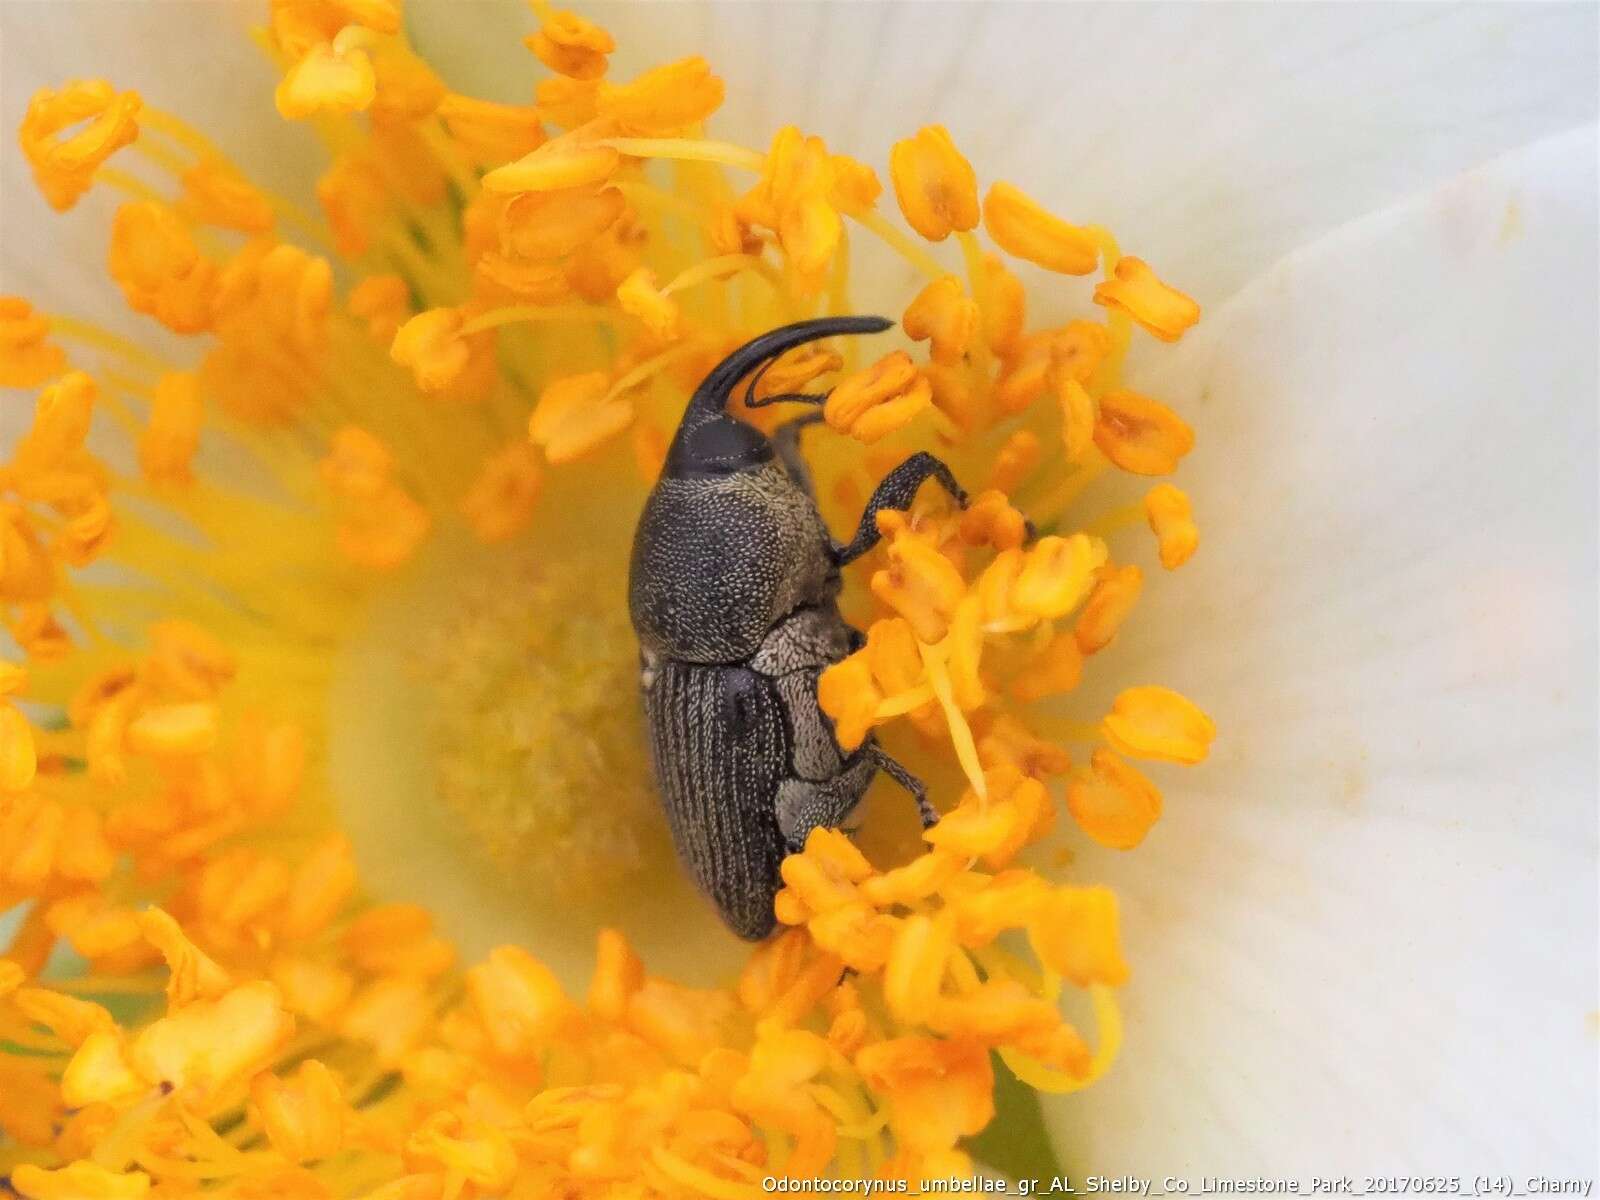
x=164, y=807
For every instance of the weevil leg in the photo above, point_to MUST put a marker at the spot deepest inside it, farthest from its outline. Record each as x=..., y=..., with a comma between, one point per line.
x=803, y=804
x=786, y=444
x=896, y=772
x=898, y=489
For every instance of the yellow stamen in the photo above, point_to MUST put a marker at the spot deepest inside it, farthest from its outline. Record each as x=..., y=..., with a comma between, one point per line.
x=639, y=297
x=719, y=268
x=64, y=167
x=922, y=585
x=174, y=729
x=468, y=1148
x=1112, y=802
x=935, y=185
x=944, y=314
x=532, y=313
x=845, y=691
x=1024, y=228
x=502, y=498
x=549, y=224
x=557, y=164
x=1056, y=574
x=202, y=1050
x=577, y=414
x=883, y=398
x=304, y=1118
x=1054, y=670
x=1075, y=934
x=30, y=358
x=491, y=133
x=194, y=975
x=1157, y=722
x=961, y=738
x=433, y=346
x=1115, y=593
x=1141, y=435
x=214, y=193
x=990, y=520
x=1172, y=521
x=18, y=758
x=687, y=150
x=1158, y=307
x=521, y=1002
x=669, y=98
x=160, y=268
x=1077, y=419
x=1109, y=1020
x=570, y=45
x=79, y=1181
x=330, y=78
x=168, y=443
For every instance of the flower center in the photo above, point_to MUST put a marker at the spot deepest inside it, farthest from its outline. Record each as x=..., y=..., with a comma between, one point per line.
x=487, y=736
x=536, y=747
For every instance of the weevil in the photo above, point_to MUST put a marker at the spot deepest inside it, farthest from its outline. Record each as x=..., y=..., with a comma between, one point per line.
x=733, y=591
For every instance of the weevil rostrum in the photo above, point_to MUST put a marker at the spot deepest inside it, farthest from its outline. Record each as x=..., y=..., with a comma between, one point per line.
x=733, y=591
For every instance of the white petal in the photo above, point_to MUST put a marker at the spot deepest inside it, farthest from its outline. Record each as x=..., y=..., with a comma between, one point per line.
x=194, y=60
x=1364, y=934
x=1311, y=116
x=1439, y=889
x=1211, y=138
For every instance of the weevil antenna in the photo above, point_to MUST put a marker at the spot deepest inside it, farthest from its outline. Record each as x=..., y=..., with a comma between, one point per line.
x=711, y=397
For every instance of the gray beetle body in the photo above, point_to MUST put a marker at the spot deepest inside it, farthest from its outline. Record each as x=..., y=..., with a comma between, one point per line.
x=733, y=591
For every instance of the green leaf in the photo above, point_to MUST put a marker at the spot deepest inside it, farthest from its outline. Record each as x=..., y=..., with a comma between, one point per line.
x=1016, y=1143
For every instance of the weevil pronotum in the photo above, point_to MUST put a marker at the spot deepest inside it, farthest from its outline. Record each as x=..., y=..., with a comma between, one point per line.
x=733, y=590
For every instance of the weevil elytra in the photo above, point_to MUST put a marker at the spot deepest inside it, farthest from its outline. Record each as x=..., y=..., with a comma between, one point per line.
x=733, y=590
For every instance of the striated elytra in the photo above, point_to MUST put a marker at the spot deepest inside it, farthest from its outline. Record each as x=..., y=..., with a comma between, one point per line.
x=733, y=591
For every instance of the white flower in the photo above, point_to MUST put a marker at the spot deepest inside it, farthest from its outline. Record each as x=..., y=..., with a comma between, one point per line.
x=1364, y=935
